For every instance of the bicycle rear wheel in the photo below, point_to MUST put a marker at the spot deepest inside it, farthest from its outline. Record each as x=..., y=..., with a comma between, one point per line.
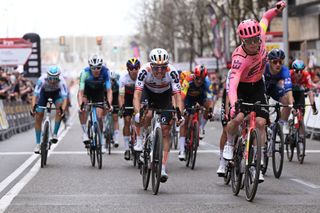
x=98, y=142
x=195, y=144
x=277, y=150
x=145, y=169
x=188, y=149
x=252, y=171
x=44, y=145
x=289, y=141
x=92, y=147
x=301, y=145
x=237, y=170
x=156, y=161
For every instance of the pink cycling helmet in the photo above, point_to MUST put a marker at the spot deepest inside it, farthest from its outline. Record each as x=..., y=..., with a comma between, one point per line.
x=249, y=28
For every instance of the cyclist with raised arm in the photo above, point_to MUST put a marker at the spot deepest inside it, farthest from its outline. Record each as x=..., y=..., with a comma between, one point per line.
x=52, y=85
x=301, y=83
x=195, y=90
x=248, y=65
x=94, y=86
x=115, y=104
x=278, y=82
x=157, y=81
x=127, y=85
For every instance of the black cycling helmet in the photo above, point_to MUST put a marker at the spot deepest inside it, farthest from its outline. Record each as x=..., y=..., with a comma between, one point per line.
x=276, y=54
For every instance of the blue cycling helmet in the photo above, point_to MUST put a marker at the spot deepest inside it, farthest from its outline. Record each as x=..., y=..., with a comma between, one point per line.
x=275, y=54
x=298, y=64
x=54, y=71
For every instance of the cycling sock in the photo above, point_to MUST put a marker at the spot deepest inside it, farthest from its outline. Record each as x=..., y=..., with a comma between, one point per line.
x=126, y=142
x=165, y=158
x=38, y=136
x=203, y=122
x=56, y=127
x=181, y=143
x=221, y=154
x=84, y=128
x=116, y=135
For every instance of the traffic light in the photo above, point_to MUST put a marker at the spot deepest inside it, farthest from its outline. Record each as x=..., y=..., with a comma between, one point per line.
x=62, y=40
x=99, y=40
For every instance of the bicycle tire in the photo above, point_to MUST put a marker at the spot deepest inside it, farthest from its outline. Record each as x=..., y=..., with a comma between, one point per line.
x=227, y=176
x=132, y=141
x=146, y=170
x=44, y=144
x=277, y=147
x=237, y=170
x=156, y=161
x=195, y=144
x=188, y=149
x=264, y=168
x=98, y=142
x=301, y=141
x=251, y=184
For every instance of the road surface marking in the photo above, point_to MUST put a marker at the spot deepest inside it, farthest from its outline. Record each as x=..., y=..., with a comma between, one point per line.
x=6, y=200
x=311, y=185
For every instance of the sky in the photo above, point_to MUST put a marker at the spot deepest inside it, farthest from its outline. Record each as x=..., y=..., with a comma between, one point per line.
x=53, y=18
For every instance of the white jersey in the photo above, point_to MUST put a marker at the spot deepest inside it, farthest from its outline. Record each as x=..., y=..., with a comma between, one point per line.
x=126, y=85
x=42, y=84
x=170, y=80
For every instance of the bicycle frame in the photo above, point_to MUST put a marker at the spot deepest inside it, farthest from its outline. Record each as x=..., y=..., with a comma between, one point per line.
x=193, y=119
x=246, y=132
x=47, y=112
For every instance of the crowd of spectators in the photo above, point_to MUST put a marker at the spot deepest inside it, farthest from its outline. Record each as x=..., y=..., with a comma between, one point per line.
x=14, y=86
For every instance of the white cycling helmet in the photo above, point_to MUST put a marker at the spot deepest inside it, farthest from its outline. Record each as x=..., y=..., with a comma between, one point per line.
x=159, y=56
x=95, y=61
x=54, y=71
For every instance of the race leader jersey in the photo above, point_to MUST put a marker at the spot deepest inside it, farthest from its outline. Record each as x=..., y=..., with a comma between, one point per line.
x=43, y=84
x=249, y=68
x=146, y=78
x=127, y=85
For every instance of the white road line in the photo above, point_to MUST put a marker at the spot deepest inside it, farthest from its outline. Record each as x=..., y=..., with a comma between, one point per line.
x=311, y=185
x=6, y=200
x=17, y=172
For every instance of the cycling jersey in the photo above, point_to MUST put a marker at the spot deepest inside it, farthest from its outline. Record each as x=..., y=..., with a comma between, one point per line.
x=45, y=86
x=146, y=78
x=302, y=83
x=104, y=76
x=248, y=68
x=127, y=85
x=275, y=90
x=189, y=89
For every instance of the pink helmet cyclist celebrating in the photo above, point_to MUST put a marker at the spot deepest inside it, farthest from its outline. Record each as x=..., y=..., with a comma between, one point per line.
x=245, y=81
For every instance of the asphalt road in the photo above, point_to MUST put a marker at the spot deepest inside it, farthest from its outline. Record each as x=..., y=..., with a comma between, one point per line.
x=70, y=184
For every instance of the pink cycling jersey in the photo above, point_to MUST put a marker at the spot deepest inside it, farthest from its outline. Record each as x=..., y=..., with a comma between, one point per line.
x=249, y=68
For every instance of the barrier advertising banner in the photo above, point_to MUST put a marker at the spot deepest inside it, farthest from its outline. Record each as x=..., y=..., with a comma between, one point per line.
x=14, y=51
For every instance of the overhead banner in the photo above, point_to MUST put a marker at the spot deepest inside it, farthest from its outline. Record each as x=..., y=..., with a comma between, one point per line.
x=14, y=51
x=33, y=65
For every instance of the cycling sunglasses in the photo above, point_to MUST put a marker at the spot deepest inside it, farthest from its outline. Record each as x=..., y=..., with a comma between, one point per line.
x=157, y=67
x=93, y=68
x=275, y=62
x=297, y=71
x=198, y=78
x=132, y=67
x=51, y=78
x=254, y=40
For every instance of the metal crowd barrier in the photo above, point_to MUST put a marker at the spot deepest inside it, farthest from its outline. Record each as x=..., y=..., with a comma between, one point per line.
x=14, y=118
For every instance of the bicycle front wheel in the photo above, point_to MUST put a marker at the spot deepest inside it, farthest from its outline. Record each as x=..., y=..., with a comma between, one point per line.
x=237, y=168
x=301, y=145
x=157, y=161
x=145, y=168
x=44, y=144
x=195, y=144
x=253, y=161
x=277, y=150
x=98, y=143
